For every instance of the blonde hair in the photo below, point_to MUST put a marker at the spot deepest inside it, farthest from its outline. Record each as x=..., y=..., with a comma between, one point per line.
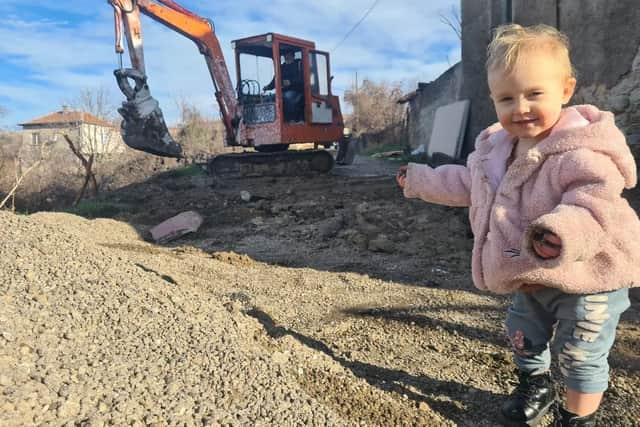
x=511, y=40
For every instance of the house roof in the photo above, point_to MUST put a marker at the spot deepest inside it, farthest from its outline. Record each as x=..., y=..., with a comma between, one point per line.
x=68, y=117
x=409, y=96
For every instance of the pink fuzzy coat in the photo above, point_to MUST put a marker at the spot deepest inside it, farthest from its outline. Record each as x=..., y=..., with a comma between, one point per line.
x=569, y=183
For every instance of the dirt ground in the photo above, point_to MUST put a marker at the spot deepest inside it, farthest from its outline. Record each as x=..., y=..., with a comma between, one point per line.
x=355, y=303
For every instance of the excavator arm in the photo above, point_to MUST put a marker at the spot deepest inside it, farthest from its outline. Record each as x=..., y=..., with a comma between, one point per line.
x=143, y=126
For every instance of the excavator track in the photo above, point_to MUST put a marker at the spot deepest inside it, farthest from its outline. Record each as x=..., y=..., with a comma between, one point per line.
x=286, y=163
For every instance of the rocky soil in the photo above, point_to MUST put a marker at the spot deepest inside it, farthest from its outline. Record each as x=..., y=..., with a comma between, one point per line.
x=325, y=300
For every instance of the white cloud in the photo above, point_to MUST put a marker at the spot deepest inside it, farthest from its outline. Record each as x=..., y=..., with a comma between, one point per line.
x=71, y=47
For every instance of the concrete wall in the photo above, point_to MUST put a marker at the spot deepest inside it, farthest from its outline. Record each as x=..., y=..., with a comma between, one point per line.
x=607, y=57
x=605, y=39
x=422, y=108
x=478, y=17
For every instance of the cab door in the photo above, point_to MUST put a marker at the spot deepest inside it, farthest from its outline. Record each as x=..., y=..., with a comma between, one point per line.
x=321, y=110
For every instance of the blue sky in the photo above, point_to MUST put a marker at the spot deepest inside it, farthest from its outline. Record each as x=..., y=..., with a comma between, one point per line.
x=52, y=50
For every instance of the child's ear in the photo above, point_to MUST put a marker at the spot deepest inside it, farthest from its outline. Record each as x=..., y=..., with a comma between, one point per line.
x=569, y=88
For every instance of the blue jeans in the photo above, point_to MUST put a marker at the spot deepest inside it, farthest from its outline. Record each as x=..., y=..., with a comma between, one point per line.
x=582, y=329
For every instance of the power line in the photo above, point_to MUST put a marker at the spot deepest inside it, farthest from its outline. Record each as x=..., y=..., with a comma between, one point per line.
x=356, y=25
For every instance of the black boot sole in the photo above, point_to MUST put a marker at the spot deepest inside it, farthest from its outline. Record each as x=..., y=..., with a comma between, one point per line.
x=532, y=422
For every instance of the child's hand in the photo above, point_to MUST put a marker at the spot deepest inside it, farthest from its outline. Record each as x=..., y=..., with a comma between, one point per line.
x=401, y=176
x=546, y=244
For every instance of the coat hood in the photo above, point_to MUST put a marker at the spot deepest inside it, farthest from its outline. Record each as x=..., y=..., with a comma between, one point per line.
x=580, y=126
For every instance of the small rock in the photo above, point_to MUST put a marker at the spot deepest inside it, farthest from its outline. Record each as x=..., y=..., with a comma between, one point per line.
x=279, y=207
x=5, y=380
x=358, y=239
x=257, y=221
x=64, y=390
x=172, y=388
x=362, y=207
x=25, y=350
x=280, y=358
x=245, y=196
x=634, y=97
x=439, y=270
x=69, y=408
x=330, y=227
x=618, y=103
x=382, y=244
x=102, y=406
x=423, y=407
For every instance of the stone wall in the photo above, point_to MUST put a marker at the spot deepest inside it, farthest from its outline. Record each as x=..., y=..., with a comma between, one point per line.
x=605, y=41
x=605, y=52
x=426, y=100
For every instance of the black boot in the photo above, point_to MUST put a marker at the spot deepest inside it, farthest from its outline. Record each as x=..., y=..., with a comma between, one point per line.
x=565, y=418
x=530, y=401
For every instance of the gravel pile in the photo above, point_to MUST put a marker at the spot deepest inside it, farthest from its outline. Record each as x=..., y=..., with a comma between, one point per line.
x=98, y=328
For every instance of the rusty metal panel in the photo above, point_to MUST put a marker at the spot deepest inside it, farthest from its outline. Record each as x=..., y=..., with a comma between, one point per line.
x=259, y=113
x=263, y=133
x=295, y=133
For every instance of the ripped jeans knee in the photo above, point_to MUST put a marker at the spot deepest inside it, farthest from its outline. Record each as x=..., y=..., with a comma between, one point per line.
x=580, y=328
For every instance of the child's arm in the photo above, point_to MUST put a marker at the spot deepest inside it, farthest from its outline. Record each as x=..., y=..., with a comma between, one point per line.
x=445, y=185
x=591, y=184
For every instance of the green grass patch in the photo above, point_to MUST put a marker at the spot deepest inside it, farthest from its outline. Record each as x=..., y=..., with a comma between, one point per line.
x=191, y=170
x=417, y=158
x=93, y=209
x=383, y=149
x=404, y=157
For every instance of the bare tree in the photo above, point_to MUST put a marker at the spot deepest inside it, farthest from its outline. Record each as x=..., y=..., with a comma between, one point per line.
x=96, y=140
x=377, y=104
x=453, y=20
x=92, y=143
x=95, y=101
x=20, y=175
x=196, y=133
x=3, y=112
x=89, y=175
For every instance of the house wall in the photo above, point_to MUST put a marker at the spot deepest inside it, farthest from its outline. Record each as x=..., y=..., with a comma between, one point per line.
x=429, y=97
x=92, y=138
x=101, y=139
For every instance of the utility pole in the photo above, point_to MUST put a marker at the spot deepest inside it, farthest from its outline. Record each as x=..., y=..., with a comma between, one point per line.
x=355, y=106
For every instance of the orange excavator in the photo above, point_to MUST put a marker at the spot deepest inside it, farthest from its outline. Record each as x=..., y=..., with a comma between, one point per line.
x=252, y=115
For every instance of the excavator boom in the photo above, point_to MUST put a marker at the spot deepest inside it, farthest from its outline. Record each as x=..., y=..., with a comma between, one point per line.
x=139, y=117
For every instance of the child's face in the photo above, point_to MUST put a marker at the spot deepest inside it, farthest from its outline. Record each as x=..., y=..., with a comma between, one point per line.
x=528, y=100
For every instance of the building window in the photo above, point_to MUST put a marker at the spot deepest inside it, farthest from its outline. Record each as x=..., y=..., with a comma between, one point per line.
x=35, y=138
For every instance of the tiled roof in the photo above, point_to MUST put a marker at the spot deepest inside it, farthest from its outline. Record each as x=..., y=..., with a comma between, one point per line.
x=68, y=117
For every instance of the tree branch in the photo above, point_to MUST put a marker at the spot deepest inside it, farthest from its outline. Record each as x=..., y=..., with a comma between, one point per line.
x=21, y=178
x=87, y=164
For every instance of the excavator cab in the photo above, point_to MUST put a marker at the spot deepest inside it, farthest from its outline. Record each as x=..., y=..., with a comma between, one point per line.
x=284, y=93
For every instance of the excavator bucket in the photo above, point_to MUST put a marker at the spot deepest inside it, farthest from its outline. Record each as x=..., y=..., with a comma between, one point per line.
x=143, y=126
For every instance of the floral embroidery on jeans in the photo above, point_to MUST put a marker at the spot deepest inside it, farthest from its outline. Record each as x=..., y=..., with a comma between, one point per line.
x=519, y=343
